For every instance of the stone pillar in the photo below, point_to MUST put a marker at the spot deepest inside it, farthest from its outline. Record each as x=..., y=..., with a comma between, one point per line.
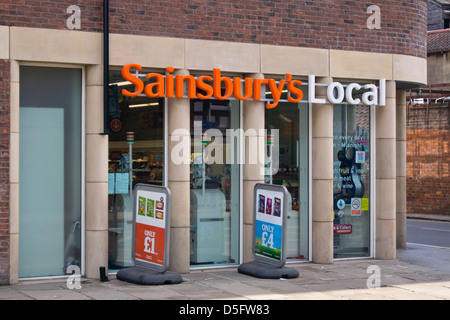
x=253, y=126
x=14, y=174
x=96, y=192
x=322, y=178
x=401, y=168
x=178, y=162
x=385, y=242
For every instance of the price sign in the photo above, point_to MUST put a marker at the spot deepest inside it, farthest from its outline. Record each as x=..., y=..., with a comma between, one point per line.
x=269, y=237
x=151, y=226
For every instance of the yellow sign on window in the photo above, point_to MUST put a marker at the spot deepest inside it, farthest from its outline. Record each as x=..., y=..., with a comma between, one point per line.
x=365, y=204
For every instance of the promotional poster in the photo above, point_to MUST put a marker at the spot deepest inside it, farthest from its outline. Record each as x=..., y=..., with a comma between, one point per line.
x=150, y=226
x=269, y=218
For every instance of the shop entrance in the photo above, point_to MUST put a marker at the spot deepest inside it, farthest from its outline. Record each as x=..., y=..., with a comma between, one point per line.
x=136, y=155
x=215, y=183
x=351, y=181
x=50, y=168
x=288, y=123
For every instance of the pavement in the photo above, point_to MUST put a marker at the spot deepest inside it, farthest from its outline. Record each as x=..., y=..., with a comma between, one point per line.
x=360, y=279
x=342, y=280
x=433, y=217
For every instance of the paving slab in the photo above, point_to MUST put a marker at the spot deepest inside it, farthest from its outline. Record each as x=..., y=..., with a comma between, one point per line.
x=343, y=280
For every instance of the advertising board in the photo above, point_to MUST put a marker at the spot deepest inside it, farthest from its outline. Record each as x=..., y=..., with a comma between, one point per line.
x=151, y=216
x=269, y=237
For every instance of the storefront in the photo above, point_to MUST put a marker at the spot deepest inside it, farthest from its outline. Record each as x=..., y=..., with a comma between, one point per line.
x=218, y=155
x=208, y=120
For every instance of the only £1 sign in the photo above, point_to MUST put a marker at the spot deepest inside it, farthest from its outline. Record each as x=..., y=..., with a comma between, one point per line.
x=150, y=230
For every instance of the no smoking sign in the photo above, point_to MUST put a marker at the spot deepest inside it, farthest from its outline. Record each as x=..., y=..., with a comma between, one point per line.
x=356, y=206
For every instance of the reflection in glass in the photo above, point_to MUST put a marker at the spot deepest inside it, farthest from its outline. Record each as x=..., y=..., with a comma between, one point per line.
x=140, y=160
x=214, y=179
x=289, y=123
x=351, y=181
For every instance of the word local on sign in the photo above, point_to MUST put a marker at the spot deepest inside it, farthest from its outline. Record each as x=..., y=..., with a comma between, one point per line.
x=173, y=86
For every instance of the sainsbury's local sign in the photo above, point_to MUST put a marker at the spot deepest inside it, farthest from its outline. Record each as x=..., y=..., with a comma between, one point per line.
x=222, y=88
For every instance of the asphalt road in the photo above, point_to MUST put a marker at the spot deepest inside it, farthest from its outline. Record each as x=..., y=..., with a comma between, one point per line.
x=432, y=233
x=428, y=244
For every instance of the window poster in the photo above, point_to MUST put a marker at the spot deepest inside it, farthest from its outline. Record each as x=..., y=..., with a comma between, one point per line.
x=122, y=183
x=150, y=227
x=269, y=223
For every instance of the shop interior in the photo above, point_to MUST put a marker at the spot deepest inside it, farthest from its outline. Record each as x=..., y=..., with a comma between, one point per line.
x=289, y=124
x=215, y=183
x=214, y=171
x=136, y=155
x=351, y=181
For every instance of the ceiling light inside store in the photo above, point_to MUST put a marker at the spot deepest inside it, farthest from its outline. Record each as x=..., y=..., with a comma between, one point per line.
x=121, y=83
x=144, y=105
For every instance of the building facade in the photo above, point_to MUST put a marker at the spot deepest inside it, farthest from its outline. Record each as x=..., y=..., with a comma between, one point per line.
x=427, y=120
x=438, y=14
x=325, y=80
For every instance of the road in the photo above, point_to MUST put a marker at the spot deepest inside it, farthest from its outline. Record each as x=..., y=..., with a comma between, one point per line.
x=432, y=233
x=428, y=244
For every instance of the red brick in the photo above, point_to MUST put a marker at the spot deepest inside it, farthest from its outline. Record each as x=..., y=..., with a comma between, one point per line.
x=319, y=24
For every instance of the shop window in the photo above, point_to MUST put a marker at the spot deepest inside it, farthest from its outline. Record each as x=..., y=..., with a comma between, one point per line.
x=288, y=158
x=215, y=183
x=351, y=181
x=136, y=155
x=51, y=157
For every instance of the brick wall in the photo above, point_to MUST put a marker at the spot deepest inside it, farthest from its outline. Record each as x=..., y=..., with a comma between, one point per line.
x=336, y=24
x=428, y=160
x=4, y=171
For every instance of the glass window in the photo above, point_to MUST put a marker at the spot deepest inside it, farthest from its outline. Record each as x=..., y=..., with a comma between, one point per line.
x=215, y=182
x=136, y=155
x=351, y=181
x=50, y=170
x=288, y=158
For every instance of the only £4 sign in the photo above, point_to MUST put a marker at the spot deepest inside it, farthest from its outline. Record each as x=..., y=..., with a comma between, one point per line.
x=150, y=231
x=270, y=220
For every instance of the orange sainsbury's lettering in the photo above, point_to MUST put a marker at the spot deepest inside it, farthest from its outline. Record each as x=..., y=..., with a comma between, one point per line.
x=159, y=85
x=257, y=88
x=248, y=88
x=206, y=87
x=276, y=92
x=169, y=82
x=295, y=91
x=179, y=80
x=134, y=80
x=217, y=85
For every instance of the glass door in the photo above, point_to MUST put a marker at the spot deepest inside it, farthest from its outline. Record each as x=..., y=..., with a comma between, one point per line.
x=50, y=170
x=288, y=159
x=136, y=155
x=351, y=181
x=215, y=182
